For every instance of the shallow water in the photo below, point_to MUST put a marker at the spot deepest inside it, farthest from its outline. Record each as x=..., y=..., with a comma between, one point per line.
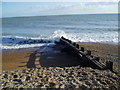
x=22, y=32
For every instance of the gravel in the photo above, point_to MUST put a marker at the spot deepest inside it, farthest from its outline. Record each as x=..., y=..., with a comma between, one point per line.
x=60, y=77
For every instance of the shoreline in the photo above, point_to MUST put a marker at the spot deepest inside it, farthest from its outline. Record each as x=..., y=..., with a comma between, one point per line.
x=47, y=67
x=15, y=56
x=114, y=44
x=36, y=47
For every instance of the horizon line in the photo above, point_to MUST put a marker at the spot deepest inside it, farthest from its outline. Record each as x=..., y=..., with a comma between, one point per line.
x=58, y=15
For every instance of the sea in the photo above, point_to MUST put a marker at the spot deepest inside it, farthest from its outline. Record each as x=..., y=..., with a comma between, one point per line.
x=36, y=31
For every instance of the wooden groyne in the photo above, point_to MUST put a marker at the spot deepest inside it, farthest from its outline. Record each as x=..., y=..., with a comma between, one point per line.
x=83, y=55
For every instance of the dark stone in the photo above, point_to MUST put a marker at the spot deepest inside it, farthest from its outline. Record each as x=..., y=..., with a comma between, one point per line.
x=52, y=84
x=104, y=83
x=92, y=71
x=83, y=87
x=5, y=76
x=62, y=75
x=59, y=79
x=15, y=76
x=21, y=88
x=40, y=85
x=109, y=76
x=78, y=75
x=96, y=73
x=79, y=72
x=66, y=71
x=18, y=81
x=71, y=86
x=84, y=73
x=27, y=78
x=40, y=76
x=70, y=73
x=114, y=88
x=70, y=76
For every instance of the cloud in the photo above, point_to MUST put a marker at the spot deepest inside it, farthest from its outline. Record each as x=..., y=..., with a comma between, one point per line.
x=69, y=8
x=60, y=0
x=53, y=8
x=104, y=0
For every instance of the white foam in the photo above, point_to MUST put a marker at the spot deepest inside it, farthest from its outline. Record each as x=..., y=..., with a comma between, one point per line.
x=25, y=46
x=104, y=37
x=58, y=34
x=76, y=36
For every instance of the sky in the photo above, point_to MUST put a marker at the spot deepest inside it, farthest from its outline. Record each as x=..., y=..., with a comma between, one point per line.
x=12, y=8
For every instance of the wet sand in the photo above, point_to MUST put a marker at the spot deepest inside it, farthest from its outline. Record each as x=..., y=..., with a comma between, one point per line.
x=42, y=57
x=52, y=57
x=14, y=61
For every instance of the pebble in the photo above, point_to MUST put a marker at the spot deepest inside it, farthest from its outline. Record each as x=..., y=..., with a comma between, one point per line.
x=5, y=76
x=58, y=77
x=15, y=76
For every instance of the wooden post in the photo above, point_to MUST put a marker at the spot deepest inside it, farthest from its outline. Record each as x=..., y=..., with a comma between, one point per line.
x=74, y=44
x=77, y=46
x=66, y=39
x=109, y=65
x=82, y=49
x=69, y=41
x=62, y=37
x=97, y=59
x=88, y=52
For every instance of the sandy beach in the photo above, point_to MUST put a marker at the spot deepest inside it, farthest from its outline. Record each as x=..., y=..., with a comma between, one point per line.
x=60, y=45
x=40, y=57
x=51, y=56
x=45, y=64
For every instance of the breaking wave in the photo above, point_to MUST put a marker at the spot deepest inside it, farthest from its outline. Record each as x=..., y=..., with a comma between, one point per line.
x=16, y=42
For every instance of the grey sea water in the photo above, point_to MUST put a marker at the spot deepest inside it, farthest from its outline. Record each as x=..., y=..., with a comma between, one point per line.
x=22, y=32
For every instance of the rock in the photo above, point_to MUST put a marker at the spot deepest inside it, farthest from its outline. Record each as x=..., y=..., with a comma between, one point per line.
x=5, y=75
x=58, y=77
x=83, y=87
x=52, y=84
x=102, y=82
x=1, y=82
x=17, y=81
x=70, y=86
x=84, y=73
x=57, y=86
x=23, y=78
x=63, y=75
x=28, y=78
x=79, y=73
x=62, y=86
x=87, y=83
x=95, y=73
x=40, y=85
x=15, y=76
